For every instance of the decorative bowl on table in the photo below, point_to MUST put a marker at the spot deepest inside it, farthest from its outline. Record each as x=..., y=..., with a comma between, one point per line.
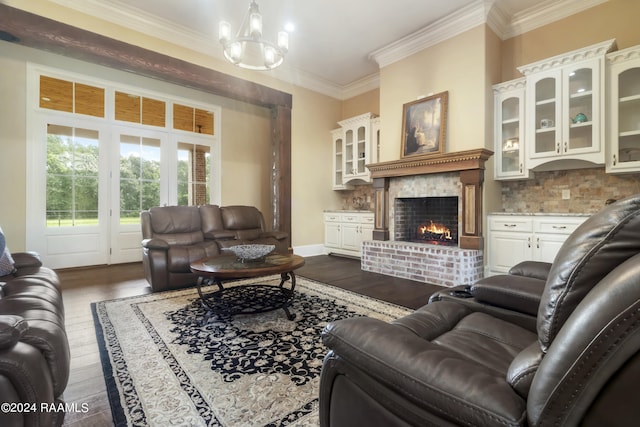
x=250, y=252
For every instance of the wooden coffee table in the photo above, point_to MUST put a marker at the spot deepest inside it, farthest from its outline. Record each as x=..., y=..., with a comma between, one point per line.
x=249, y=298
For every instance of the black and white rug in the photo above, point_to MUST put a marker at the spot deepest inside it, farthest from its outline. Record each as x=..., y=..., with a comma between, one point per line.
x=164, y=366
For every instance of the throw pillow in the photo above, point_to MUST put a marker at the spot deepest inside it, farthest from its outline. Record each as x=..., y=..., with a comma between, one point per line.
x=6, y=261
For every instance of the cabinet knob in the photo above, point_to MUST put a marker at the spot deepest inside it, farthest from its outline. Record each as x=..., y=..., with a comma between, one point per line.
x=566, y=146
x=558, y=147
x=538, y=243
x=528, y=242
x=615, y=160
x=521, y=167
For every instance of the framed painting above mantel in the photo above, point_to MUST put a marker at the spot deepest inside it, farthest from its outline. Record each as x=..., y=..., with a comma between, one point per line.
x=424, y=126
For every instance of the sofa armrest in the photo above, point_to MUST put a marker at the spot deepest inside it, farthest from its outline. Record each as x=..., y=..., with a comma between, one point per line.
x=432, y=377
x=221, y=235
x=11, y=329
x=276, y=234
x=535, y=269
x=26, y=260
x=155, y=244
x=517, y=293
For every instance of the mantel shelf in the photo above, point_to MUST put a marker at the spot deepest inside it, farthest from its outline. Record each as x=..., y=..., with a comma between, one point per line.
x=421, y=165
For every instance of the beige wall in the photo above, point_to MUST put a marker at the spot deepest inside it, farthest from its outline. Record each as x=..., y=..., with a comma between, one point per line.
x=456, y=65
x=614, y=19
x=368, y=102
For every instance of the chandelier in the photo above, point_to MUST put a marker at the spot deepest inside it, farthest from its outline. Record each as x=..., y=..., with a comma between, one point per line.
x=248, y=49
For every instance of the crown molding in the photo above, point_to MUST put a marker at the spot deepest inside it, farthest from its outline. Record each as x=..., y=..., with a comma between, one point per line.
x=545, y=13
x=458, y=22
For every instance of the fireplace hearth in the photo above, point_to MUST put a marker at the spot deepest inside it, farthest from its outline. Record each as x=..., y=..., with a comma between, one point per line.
x=432, y=220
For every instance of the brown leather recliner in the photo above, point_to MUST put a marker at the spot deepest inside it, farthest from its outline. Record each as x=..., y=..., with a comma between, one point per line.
x=34, y=349
x=173, y=239
x=245, y=225
x=453, y=363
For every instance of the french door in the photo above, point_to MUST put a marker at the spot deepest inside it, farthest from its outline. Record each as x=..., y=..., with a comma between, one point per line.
x=139, y=180
x=68, y=226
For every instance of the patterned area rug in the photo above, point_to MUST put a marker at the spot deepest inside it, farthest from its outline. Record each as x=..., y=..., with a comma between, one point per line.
x=164, y=365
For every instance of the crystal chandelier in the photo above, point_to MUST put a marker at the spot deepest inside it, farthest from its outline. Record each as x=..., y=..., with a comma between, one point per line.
x=248, y=49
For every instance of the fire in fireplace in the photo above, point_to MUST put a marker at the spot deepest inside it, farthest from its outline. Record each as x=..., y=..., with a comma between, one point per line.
x=431, y=220
x=435, y=233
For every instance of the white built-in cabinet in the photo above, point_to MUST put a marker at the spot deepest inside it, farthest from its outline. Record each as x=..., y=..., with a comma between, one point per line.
x=345, y=231
x=355, y=144
x=564, y=114
x=510, y=162
x=516, y=238
x=624, y=106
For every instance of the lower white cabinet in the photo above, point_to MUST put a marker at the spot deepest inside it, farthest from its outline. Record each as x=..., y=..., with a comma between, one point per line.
x=344, y=232
x=516, y=238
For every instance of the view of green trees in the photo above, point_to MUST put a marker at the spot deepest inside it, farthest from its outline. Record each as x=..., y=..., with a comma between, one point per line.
x=72, y=180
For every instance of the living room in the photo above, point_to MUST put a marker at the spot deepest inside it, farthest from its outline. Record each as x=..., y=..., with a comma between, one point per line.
x=466, y=64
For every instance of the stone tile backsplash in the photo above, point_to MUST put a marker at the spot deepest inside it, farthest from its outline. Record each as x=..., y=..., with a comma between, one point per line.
x=588, y=188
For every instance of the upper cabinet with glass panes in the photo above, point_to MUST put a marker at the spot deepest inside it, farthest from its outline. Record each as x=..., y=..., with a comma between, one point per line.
x=565, y=107
x=624, y=106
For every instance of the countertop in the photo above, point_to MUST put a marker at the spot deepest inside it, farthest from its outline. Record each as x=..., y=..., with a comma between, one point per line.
x=572, y=214
x=348, y=211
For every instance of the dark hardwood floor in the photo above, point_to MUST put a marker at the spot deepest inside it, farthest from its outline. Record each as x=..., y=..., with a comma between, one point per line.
x=83, y=286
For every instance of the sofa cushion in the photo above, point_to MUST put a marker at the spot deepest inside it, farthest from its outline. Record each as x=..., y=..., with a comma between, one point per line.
x=242, y=218
x=604, y=241
x=180, y=257
x=180, y=225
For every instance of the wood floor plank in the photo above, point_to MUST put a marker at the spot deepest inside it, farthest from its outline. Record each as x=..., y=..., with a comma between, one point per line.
x=83, y=286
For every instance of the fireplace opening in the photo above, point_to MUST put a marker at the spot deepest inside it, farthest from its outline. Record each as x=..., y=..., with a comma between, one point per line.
x=432, y=220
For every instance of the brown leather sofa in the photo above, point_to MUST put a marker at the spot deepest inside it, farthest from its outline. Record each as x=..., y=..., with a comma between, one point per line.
x=459, y=361
x=176, y=236
x=34, y=350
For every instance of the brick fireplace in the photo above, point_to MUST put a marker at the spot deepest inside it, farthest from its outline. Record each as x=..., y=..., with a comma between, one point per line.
x=452, y=176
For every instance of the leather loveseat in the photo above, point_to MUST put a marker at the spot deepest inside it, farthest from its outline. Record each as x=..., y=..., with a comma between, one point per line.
x=34, y=350
x=176, y=236
x=460, y=361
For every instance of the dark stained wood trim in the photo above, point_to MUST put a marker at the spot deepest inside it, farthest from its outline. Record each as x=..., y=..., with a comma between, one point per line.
x=449, y=162
x=27, y=29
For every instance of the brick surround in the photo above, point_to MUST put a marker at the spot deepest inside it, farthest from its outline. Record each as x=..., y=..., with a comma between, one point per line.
x=454, y=174
x=435, y=264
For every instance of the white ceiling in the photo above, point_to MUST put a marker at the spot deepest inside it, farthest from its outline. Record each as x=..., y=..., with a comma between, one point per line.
x=338, y=46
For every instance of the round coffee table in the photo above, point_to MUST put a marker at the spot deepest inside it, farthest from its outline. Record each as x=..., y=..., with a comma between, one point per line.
x=249, y=298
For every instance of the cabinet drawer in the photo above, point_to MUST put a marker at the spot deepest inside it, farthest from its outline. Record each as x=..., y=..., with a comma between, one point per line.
x=511, y=224
x=332, y=217
x=558, y=226
x=351, y=218
x=367, y=219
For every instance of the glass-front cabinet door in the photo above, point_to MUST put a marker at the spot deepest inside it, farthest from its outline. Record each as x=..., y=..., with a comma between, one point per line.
x=624, y=120
x=545, y=138
x=582, y=108
x=509, y=130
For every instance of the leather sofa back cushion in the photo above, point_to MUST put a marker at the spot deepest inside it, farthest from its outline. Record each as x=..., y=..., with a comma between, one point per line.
x=211, y=218
x=599, y=245
x=242, y=218
x=179, y=225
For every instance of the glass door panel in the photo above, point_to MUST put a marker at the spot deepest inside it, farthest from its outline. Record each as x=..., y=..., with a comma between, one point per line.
x=580, y=109
x=628, y=116
x=546, y=99
x=194, y=177
x=510, y=132
x=139, y=176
